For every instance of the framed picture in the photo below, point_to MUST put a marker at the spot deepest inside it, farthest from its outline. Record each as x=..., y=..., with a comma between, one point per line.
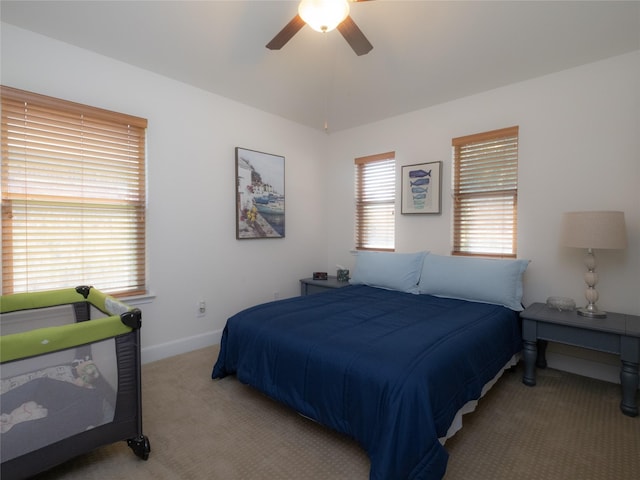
x=259, y=195
x=421, y=185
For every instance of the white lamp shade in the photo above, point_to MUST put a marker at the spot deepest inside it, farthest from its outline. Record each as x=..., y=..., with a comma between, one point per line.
x=323, y=15
x=594, y=230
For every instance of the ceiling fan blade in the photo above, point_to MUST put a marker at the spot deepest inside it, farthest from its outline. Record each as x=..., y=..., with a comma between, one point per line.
x=354, y=36
x=286, y=33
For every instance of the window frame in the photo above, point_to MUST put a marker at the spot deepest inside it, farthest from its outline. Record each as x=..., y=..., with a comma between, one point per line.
x=385, y=198
x=104, y=180
x=483, y=207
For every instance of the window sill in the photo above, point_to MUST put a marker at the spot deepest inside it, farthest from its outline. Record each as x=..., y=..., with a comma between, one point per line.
x=137, y=300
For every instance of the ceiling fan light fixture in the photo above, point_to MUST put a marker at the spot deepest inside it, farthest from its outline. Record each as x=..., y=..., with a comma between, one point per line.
x=323, y=15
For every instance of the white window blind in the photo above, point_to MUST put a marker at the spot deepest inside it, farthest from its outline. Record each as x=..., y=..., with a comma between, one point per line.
x=486, y=193
x=375, y=202
x=73, y=196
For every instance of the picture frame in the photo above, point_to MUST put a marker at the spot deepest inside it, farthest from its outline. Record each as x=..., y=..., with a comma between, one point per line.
x=421, y=188
x=260, y=195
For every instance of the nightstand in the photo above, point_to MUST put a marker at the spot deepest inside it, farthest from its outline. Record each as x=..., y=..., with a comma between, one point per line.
x=617, y=333
x=309, y=286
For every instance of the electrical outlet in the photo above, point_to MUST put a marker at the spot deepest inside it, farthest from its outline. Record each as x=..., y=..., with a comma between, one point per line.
x=201, y=308
x=276, y=295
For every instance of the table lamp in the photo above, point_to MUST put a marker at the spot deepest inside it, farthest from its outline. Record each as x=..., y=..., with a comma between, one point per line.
x=593, y=230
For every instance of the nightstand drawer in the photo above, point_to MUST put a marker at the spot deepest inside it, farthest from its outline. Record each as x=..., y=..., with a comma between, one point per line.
x=309, y=286
x=595, y=340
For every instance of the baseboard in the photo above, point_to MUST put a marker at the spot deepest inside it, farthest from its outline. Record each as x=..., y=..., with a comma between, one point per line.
x=182, y=345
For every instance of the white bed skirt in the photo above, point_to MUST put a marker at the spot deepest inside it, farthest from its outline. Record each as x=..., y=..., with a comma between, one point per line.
x=470, y=406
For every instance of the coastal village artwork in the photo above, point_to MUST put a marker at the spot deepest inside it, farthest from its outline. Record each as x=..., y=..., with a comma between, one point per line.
x=259, y=195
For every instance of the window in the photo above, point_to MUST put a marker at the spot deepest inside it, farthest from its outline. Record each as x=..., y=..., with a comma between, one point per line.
x=485, y=191
x=73, y=196
x=375, y=202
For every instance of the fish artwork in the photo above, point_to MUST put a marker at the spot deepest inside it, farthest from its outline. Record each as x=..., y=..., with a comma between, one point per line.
x=420, y=181
x=419, y=173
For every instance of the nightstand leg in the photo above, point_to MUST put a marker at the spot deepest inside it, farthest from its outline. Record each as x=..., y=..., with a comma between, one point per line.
x=541, y=361
x=529, y=353
x=629, y=380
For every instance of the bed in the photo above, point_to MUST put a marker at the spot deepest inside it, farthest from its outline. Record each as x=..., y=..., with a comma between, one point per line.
x=389, y=360
x=70, y=378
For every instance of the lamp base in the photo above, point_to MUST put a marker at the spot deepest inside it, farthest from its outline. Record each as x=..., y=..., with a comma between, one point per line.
x=591, y=312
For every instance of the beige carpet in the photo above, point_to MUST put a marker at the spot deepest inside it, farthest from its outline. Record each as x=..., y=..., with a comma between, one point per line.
x=567, y=427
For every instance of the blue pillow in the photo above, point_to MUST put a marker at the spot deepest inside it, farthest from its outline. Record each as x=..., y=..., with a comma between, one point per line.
x=390, y=270
x=482, y=280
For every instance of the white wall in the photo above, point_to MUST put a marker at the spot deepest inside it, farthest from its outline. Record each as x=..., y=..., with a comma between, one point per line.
x=579, y=150
x=192, y=250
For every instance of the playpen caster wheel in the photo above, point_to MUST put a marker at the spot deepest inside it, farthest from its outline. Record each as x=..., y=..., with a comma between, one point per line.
x=140, y=446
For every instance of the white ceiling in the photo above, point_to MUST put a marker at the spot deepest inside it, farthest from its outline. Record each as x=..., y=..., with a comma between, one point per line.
x=425, y=52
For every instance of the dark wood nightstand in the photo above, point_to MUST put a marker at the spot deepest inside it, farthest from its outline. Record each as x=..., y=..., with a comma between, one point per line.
x=617, y=333
x=309, y=286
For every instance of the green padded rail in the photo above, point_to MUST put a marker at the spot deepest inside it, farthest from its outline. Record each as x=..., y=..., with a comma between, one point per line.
x=51, y=339
x=28, y=301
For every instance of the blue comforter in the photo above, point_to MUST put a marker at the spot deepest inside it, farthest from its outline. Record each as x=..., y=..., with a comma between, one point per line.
x=389, y=369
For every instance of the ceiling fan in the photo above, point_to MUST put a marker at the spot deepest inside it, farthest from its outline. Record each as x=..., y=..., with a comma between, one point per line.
x=324, y=16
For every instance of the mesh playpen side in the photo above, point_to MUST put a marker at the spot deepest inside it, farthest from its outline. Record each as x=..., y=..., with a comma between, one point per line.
x=70, y=371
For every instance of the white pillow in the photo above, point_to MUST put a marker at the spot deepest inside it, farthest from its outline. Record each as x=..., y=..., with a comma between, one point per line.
x=390, y=270
x=477, y=279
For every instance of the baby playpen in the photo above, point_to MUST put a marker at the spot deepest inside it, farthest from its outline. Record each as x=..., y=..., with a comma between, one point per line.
x=70, y=371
